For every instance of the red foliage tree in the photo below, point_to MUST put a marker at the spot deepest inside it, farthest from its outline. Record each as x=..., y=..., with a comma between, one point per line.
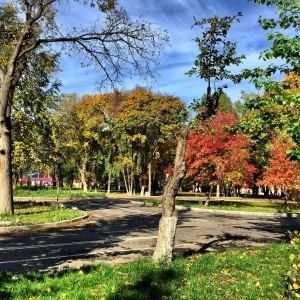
x=281, y=173
x=218, y=153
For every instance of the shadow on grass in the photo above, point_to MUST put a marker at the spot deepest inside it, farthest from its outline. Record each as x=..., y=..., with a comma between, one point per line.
x=153, y=283
x=226, y=237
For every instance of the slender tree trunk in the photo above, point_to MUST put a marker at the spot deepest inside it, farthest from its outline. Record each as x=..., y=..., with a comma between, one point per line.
x=131, y=191
x=109, y=180
x=125, y=181
x=143, y=190
x=211, y=188
x=82, y=171
x=218, y=191
x=168, y=222
x=6, y=195
x=149, y=179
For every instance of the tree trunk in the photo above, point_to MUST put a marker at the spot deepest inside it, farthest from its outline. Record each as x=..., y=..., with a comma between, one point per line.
x=125, y=181
x=109, y=180
x=211, y=188
x=6, y=195
x=149, y=179
x=143, y=191
x=82, y=171
x=167, y=225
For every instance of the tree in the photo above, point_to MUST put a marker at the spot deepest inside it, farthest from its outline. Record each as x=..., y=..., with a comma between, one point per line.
x=218, y=153
x=283, y=34
x=225, y=104
x=281, y=174
x=146, y=122
x=261, y=125
x=81, y=129
x=115, y=44
x=216, y=55
x=32, y=123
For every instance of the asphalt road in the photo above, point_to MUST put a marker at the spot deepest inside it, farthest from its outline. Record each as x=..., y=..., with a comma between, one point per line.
x=119, y=230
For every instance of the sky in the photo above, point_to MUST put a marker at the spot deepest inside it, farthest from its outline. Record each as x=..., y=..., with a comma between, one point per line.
x=176, y=16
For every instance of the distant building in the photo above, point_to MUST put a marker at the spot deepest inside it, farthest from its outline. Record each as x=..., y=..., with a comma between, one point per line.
x=38, y=181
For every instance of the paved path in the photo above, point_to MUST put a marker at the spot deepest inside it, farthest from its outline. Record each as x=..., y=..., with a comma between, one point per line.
x=119, y=230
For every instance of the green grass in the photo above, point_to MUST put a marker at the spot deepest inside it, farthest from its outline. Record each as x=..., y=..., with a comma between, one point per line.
x=29, y=213
x=259, y=273
x=53, y=193
x=256, y=205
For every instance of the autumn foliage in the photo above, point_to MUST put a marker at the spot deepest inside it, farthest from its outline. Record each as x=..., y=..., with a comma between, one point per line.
x=281, y=172
x=218, y=153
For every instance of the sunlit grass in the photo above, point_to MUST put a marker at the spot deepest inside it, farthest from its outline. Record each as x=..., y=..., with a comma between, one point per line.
x=243, y=206
x=258, y=273
x=53, y=193
x=30, y=213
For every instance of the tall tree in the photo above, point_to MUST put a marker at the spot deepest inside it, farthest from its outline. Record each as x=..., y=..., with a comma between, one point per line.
x=32, y=122
x=284, y=38
x=81, y=129
x=216, y=55
x=145, y=123
x=114, y=43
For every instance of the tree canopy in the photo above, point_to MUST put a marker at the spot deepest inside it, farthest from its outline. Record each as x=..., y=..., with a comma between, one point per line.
x=114, y=44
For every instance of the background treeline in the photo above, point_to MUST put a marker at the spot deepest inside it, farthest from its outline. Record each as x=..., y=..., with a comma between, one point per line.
x=127, y=140
x=120, y=141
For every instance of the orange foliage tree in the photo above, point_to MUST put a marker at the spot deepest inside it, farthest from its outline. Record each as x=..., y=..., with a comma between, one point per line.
x=281, y=174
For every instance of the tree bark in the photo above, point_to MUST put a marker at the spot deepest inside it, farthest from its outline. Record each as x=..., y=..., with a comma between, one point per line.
x=109, y=180
x=149, y=179
x=82, y=171
x=218, y=191
x=6, y=194
x=167, y=225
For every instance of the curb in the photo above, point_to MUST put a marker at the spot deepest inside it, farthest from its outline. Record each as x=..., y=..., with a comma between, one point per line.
x=179, y=207
x=10, y=229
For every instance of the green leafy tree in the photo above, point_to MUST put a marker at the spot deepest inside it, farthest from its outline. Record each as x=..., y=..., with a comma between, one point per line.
x=283, y=34
x=114, y=44
x=32, y=122
x=225, y=104
x=216, y=55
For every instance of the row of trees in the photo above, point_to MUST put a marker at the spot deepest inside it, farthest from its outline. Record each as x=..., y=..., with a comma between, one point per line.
x=247, y=145
x=127, y=136
x=127, y=140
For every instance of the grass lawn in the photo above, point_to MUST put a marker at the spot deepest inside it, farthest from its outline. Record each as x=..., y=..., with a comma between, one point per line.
x=247, y=205
x=29, y=213
x=259, y=273
x=53, y=193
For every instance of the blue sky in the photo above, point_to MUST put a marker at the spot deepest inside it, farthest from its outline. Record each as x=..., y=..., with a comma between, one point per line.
x=176, y=16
